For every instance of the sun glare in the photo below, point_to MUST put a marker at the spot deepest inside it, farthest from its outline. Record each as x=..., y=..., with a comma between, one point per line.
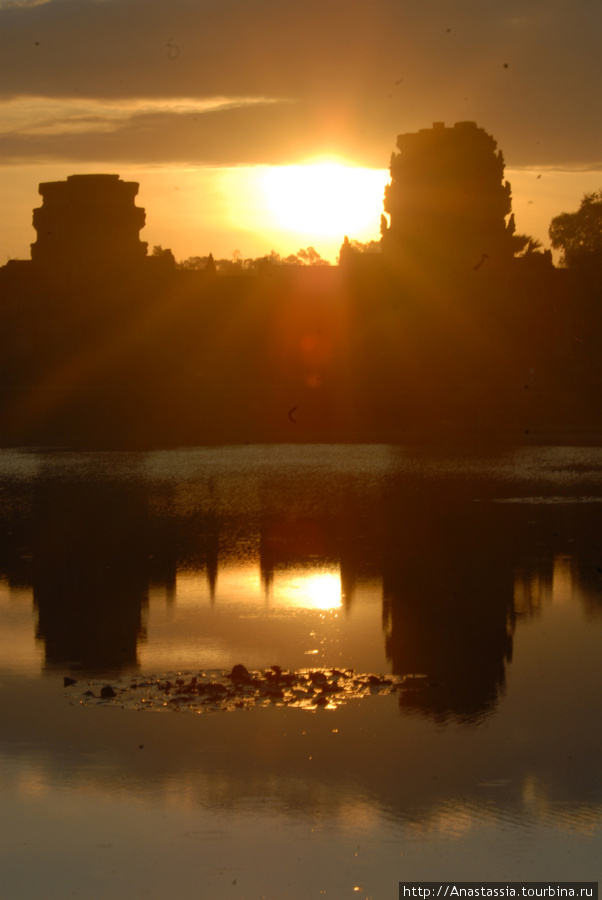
x=319, y=590
x=328, y=199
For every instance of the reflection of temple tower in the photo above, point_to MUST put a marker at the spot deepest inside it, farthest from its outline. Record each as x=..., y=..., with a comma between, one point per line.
x=88, y=219
x=91, y=572
x=447, y=600
x=447, y=197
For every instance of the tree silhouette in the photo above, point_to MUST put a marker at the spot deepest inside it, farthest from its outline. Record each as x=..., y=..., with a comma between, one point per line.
x=163, y=253
x=210, y=267
x=579, y=235
x=252, y=266
x=526, y=245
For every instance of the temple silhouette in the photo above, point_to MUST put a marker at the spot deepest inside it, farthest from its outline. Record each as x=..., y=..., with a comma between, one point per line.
x=445, y=331
x=85, y=219
x=448, y=198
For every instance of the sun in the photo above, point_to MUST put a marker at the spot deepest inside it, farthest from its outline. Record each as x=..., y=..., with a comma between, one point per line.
x=325, y=199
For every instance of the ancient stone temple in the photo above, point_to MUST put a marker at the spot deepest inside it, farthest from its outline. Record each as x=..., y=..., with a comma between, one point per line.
x=447, y=201
x=88, y=221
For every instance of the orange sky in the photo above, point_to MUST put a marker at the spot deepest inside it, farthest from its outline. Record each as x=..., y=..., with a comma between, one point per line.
x=194, y=98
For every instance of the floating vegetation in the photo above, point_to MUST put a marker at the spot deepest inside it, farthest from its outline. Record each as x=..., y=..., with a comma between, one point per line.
x=211, y=691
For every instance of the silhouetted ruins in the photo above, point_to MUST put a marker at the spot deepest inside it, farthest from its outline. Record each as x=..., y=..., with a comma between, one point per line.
x=445, y=331
x=447, y=200
x=85, y=219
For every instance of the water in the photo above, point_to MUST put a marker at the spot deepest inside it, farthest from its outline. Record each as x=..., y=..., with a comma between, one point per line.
x=481, y=571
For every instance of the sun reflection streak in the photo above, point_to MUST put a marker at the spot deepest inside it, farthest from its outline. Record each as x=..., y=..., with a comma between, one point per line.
x=303, y=589
x=19, y=648
x=580, y=818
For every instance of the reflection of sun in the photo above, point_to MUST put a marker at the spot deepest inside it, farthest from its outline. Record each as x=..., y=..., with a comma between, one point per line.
x=323, y=591
x=309, y=590
x=325, y=198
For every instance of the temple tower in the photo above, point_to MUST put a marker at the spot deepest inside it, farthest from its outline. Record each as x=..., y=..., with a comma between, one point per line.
x=88, y=222
x=447, y=200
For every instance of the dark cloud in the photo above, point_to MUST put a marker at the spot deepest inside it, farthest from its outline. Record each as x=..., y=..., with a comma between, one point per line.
x=355, y=73
x=147, y=48
x=256, y=134
x=248, y=134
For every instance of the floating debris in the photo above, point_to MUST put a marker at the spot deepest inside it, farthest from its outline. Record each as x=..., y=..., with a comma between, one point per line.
x=107, y=692
x=214, y=691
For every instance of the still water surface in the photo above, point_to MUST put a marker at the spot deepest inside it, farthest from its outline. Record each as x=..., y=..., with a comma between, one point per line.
x=480, y=571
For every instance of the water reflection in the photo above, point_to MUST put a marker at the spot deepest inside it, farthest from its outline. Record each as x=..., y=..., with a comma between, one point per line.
x=361, y=557
x=481, y=571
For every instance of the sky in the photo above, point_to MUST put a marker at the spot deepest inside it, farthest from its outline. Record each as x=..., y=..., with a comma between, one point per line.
x=259, y=125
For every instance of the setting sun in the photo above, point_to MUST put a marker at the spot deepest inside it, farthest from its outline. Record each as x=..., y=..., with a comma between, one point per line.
x=328, y=199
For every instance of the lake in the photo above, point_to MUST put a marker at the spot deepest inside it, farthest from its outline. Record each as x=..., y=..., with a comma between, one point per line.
x=467, y=582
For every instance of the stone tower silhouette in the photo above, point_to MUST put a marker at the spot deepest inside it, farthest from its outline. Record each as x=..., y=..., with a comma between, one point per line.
x=88, y=222
x=447, y=200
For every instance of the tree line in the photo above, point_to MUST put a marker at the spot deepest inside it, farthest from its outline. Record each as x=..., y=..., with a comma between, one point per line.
x=237, y=265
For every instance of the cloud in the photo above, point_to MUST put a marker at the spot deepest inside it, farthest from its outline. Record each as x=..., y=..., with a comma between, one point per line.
x=68, y=115
x=250, y=134
x=16, y=3
x=340, y=76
